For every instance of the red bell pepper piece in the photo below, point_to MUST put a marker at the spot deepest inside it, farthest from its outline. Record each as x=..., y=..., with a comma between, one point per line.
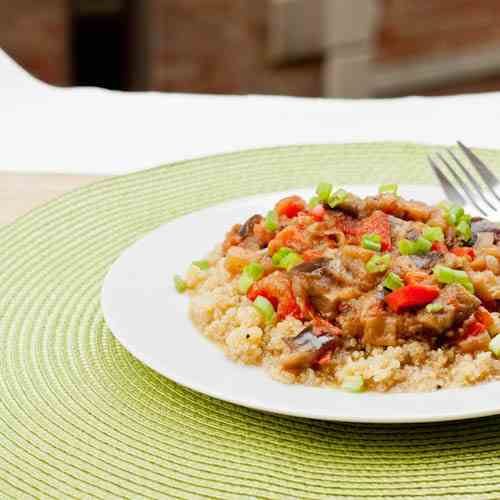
x=474, y=328
x=325, y=359
x=439, y=246
x=411, y=296
x=484, y=316
x=290, y=206
x=276, y=288
x=464, y=252
x=377, y=223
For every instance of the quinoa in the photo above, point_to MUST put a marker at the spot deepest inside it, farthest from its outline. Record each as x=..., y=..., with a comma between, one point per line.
x=396, y=294
x=227, y=317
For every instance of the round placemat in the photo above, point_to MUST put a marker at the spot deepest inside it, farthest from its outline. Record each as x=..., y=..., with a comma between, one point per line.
x=82, y=418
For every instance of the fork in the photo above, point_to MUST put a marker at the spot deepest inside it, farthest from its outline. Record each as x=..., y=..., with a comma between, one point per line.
x=471, y=189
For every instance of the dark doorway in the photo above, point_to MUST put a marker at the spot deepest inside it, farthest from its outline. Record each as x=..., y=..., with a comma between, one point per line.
x=103, y=32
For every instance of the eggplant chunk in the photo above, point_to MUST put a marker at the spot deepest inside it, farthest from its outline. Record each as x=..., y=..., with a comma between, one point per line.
x=307, y=348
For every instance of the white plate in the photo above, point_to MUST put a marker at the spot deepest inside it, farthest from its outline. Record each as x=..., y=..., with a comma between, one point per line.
x=150, y=319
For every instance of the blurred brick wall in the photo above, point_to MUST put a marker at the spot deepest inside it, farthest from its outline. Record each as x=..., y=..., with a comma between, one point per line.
x=36, y=34
x=219, y=46
x=413, y=28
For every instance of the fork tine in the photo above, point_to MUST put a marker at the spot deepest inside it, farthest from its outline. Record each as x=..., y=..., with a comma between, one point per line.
x=451, y=193
x=471, y=179
x=461, y=184
x=489, y=178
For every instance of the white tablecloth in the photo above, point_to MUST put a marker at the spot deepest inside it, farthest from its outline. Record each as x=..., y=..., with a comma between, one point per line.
x=91, y=130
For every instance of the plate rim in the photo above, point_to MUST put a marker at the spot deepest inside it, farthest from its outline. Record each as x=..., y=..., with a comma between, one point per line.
x=250, y=403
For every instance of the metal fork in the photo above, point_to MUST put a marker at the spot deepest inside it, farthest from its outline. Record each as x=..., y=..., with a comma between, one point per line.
x=484, y=199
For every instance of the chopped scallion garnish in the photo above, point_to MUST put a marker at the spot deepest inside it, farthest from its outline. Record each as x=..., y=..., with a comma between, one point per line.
x=434, y=308
x=323, y=191
x=290, y=260
x=407, y=247
x=422, y=246
x=313, y=202
x=180, y=284
x=393, y=281
x=448, y=275
x=464, y=230
x=337, y=198
x=495, y=346
x=455, y=213
x=280, y=254
x=254, y=270
x=265, y=307
x=355, y=383
x=251, y=273
x=371, y=241
x=271, y=222
x=378, y=263
x=201, y=264
x=388, y=188
x=433, y=234
x=245, y=282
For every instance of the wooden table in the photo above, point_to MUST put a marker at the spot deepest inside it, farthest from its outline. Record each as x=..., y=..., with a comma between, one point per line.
x=20, y=193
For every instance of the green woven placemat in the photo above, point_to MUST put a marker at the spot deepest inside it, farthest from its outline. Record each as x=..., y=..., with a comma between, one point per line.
x=82, y=418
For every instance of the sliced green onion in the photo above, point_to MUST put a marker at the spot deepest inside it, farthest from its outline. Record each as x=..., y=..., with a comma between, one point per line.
x=337, y=198
x=254, y=270
x=245, y=282
x=371, y=242
x=448, y=275
x=290, y=260
x=251, y=273
x=265, y=308
x=393, y=281
x=444, y=205
x=314, y=201
x=280, y=254
x=433, y=234
x=201, y=264
x=356, y=383
x=495, y=346
x=388, y=188
x=323, y=191
x=180, y=284
x=455, y=213
x=464, y=229
x=407, y=247
x=378, y=263
x=434, y=308
x=271, y=222
x=422, y=246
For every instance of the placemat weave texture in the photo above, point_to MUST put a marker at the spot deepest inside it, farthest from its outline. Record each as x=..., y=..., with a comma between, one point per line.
x=82, y=418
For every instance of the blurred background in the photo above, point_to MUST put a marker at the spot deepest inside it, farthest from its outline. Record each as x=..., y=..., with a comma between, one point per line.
x=340, y=48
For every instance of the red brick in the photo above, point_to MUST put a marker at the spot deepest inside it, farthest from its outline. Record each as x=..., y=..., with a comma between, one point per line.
x=36, y=35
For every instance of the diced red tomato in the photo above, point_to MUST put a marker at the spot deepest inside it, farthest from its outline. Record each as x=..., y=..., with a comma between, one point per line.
x=325, y=359
x=484, y=316
x=474, y=329
x=290, y=206
x=464, y=252
x=411, y=296
x=318, y=212
x=439, y=246
x=291, y=237
x=377, y=223
x=276, y=287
